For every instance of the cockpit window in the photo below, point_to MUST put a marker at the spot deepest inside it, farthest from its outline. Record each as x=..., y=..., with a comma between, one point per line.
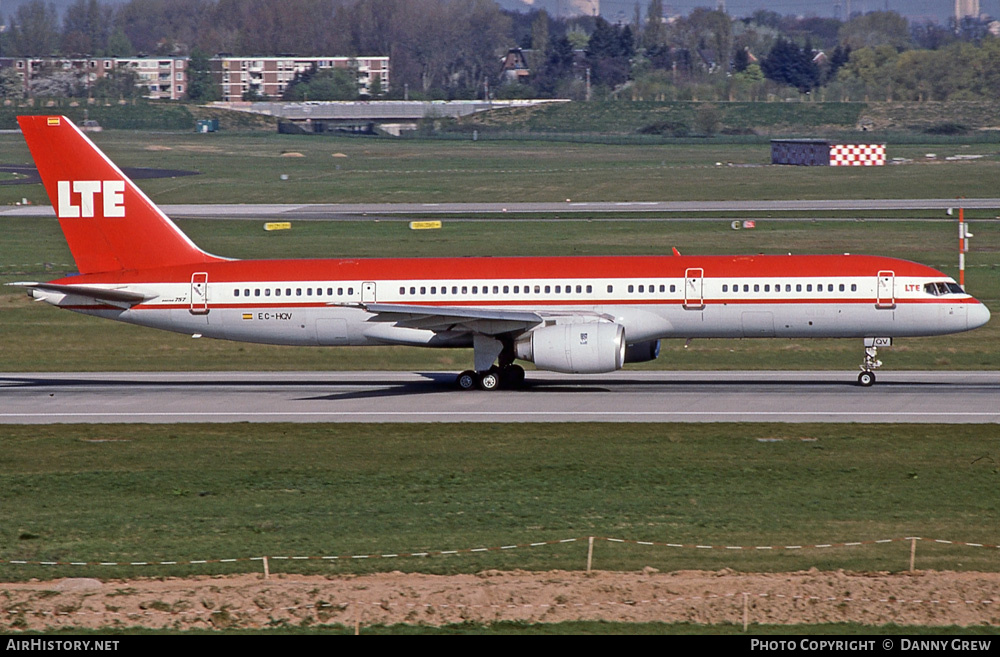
x=940, y=288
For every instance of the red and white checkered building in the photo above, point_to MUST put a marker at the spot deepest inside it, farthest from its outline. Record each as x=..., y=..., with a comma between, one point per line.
x=857, y=155
x=819, y=152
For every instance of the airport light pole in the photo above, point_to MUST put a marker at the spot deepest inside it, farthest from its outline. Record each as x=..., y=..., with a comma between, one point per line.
x=963, y=244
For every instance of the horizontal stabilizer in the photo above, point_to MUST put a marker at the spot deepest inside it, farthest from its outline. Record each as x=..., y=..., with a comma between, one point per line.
x=114, y=296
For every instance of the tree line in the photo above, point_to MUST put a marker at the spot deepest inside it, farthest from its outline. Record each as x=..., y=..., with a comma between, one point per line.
x=453, y=48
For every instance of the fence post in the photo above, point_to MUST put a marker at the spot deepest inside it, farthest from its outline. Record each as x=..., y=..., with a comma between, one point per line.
x=590, y=553
x=913, y=552
x=746, y=611
x=267, y=571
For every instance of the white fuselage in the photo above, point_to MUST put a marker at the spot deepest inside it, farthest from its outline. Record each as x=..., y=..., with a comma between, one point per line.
x=318, y=312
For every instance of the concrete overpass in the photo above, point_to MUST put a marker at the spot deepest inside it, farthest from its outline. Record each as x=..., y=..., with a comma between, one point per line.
x=321, y=116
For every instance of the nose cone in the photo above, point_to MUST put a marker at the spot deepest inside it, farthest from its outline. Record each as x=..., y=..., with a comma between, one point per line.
x=979, y=314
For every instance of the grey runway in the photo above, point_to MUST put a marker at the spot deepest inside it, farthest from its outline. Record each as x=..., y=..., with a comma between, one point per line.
x=662, y=396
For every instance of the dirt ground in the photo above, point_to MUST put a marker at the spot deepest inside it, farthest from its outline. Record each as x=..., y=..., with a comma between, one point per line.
x=250, y=601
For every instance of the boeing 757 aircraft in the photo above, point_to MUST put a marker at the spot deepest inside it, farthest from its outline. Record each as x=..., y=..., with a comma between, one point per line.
x=565, y=314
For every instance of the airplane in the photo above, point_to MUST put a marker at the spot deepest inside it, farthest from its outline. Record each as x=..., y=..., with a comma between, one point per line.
x=574, y=314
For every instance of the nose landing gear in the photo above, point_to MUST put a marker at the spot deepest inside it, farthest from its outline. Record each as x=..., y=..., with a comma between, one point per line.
x=871, y=362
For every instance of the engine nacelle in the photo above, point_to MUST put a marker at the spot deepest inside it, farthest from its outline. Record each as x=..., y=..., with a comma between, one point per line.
x=589, y=348
x=641, y=352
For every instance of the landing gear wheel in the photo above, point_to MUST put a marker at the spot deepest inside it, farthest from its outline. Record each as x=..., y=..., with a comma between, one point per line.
x=466, y=380
x=489, y=380
x=866, y=379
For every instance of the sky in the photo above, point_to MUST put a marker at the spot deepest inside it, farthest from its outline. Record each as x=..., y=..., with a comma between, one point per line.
x=624, y=10
x=939, y=10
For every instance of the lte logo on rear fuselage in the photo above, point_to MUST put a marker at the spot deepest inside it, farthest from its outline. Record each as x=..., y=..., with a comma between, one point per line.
x=111, y=191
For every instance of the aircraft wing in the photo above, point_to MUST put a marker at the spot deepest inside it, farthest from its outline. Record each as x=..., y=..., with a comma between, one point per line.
x=454, y=318
x=470, y=319
x=115, y=297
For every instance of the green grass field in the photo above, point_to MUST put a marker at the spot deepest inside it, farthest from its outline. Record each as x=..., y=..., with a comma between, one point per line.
x=247, y=168
x=183, y=492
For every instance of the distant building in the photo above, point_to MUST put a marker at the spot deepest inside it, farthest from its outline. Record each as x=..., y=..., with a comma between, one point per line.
x=514, y=66
x=162, y=78
x=966, y=9
x=158, y=77
x=166, y=78
x=822, y=153
x=579, y=7
x=270, y=76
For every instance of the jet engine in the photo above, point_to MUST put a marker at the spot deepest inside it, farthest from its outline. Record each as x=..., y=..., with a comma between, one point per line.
x=587, y=348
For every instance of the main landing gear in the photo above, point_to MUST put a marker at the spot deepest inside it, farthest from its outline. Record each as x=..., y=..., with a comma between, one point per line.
x=487, y=376
x=871, y=363
x=509, y=377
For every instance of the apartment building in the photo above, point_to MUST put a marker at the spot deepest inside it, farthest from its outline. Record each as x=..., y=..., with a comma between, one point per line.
x=166, y=78
x=158, y=77
x=270, y=76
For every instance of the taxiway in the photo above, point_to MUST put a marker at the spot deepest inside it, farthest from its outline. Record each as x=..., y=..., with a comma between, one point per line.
x=568, y=209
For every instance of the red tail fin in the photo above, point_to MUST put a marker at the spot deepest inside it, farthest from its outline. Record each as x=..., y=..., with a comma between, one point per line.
x=110, y=223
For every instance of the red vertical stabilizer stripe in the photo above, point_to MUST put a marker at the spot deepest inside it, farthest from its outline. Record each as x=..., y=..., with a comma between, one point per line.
x=109, y=223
